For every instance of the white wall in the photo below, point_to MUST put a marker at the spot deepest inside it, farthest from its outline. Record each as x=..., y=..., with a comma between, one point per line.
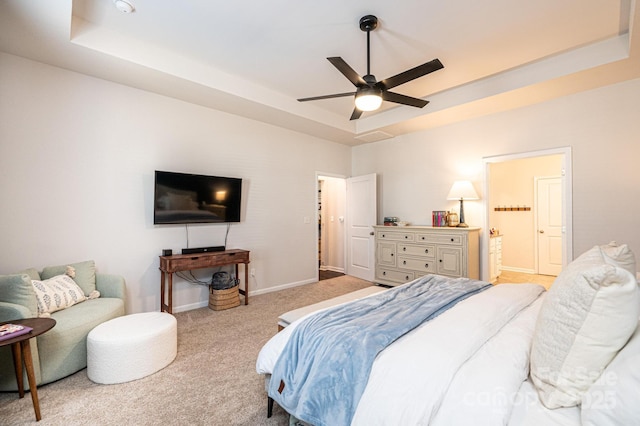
x=601, y=126
x=77, y=156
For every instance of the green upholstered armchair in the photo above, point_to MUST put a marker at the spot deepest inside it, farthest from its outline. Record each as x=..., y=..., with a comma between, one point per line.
x=62, y=350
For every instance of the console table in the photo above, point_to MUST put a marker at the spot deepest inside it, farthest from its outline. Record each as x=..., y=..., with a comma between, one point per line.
x=187, y=262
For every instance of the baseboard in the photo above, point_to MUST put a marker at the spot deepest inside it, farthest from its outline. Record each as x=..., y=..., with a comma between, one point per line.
x=521, y=270
x=332, y=269
x=282, y=287
x=252, y=293
x=191, y=306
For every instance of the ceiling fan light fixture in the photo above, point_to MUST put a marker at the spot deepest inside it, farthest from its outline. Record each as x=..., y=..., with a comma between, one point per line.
x=368, y=99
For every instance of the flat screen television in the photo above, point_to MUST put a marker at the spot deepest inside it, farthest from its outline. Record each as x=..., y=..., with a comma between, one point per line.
x=188, y=198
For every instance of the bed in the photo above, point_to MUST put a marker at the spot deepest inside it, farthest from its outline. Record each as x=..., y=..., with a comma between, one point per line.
x=507, y=354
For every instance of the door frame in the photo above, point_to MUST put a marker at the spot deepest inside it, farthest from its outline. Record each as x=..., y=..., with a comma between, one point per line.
x=567, y=201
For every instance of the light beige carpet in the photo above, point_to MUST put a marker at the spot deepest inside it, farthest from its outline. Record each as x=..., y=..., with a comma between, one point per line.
x=212, y=381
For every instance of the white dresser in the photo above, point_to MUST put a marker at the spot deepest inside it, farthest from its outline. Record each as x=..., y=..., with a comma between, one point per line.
x=495, y=257
x=404, y=253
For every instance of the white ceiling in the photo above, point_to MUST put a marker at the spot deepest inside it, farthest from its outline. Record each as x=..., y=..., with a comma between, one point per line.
x=255, y=58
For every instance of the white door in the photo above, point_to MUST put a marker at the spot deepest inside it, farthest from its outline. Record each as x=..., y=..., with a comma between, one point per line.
x=549, y=219
x=361, y=216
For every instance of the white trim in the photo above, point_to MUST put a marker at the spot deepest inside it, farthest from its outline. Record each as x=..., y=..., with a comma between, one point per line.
x=283, y=287
x=332, y=269
x=521, y=270
x=567, y=201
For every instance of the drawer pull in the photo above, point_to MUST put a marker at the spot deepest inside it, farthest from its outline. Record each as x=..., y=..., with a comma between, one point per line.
x=452, y=240
x=404, y=249
x=383, y=235
x=391, y=254
x=426, y=250
x=426, y=265
x=422, y=238
x=404, y=262
x=406, y=236
x=440, y=261
x=384, y=272
x=407, y=278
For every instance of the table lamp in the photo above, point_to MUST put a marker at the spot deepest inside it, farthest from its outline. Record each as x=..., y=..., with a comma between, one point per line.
x=462, y=190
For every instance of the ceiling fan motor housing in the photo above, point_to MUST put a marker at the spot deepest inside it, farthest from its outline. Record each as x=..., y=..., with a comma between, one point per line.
x=368, y=23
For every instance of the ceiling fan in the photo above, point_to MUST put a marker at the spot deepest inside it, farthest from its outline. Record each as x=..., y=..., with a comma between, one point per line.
x=370, y=93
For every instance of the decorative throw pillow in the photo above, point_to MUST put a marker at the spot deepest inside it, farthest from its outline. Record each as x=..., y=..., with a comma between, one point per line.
x=85, y=274
x=56, y=293
x=588, y=314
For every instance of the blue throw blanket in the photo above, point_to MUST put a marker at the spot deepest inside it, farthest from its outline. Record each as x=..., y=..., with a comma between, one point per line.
x=324, y=367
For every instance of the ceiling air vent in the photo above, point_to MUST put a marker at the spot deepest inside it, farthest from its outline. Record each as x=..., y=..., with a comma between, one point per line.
x=374, y=136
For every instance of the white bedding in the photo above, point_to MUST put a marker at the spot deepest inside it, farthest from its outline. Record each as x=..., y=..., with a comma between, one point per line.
x=464, y=367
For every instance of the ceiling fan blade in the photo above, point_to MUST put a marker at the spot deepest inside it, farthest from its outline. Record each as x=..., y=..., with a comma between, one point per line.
x=356, y=114
x=347, y=71
x=404, y=100
x=337, y=95
x=411, y=74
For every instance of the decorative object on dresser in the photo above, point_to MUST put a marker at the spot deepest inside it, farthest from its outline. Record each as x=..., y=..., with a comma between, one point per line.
x=406, y=253
x=462, y=190
x=439, y=218
x=452, y=219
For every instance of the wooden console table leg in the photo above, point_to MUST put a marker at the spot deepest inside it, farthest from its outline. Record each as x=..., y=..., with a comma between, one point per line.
x=28, y=363
x=246, y=283
x=162, y=291
x=170, y=305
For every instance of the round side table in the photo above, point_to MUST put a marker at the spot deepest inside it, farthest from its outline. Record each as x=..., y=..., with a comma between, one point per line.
x=21, y=351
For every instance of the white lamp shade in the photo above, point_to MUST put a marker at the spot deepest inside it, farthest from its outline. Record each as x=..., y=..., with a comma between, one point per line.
x=462, y=189
x=368, y=99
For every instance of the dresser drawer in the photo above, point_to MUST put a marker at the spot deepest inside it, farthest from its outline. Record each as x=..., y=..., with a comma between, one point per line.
x=395, y=236
x=423, y=265
x=398, y=276
x=440, y=238
x=427, y=250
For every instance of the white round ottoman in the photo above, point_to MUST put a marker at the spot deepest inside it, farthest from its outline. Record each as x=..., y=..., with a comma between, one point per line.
x=131, y=347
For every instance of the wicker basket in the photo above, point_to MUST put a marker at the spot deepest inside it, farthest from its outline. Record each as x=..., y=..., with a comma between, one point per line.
x=224, y=299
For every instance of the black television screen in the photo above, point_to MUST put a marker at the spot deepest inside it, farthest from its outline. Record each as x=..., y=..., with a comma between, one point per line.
x=189, y=198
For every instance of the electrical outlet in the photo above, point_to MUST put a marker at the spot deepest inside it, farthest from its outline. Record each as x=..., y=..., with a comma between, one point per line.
x=253, y=272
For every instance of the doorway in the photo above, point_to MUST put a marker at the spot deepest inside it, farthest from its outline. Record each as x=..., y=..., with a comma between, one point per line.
x=331, y=231
x=347, y=212
x=510, y=192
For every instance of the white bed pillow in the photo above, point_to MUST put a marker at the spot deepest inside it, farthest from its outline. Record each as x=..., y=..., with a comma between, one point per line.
x=613, y=399
x=619, y=255
x=589, y=313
